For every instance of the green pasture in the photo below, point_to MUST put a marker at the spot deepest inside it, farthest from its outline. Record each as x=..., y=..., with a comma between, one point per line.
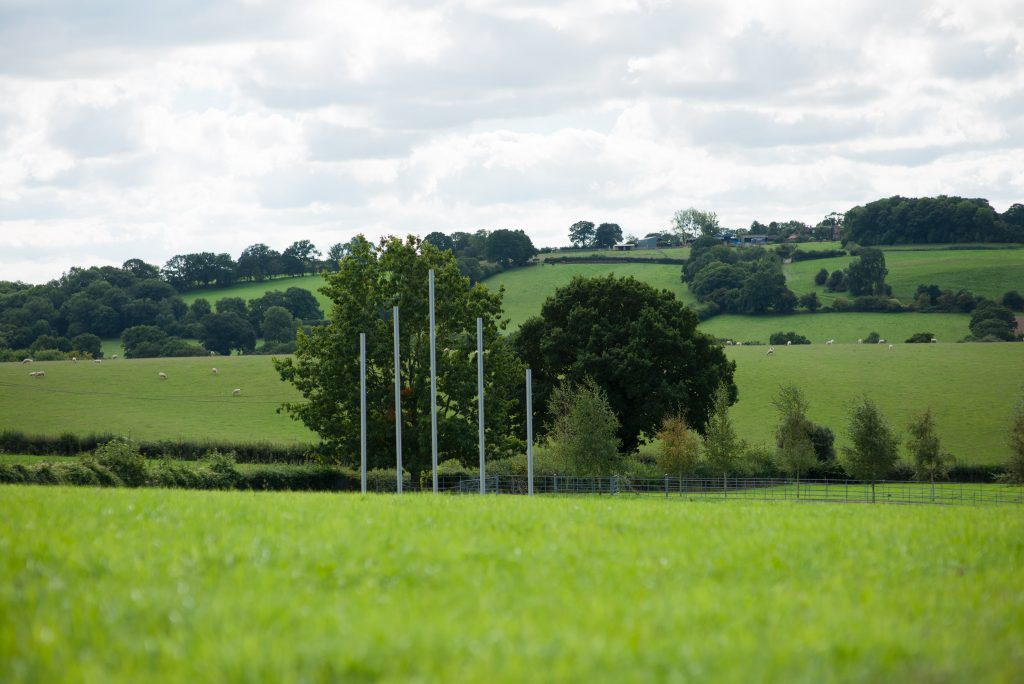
x=126, y=396
x=663, y=253
x=989, y=272
x=844, y=328
x=526, y=289
x=160, y=586
x=971, y=388
x=255, y=290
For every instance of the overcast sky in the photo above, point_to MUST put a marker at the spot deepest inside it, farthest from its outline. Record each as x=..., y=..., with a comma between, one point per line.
x=148, y=129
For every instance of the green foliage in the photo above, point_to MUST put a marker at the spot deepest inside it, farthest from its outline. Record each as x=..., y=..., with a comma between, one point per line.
x=836, y=281
x=1012, y=300
x=607, y=235
x=510, y=247
x=942, y=219
x=784, y=338
x=122, y=458
x=873, y=445
x=992, y=320
x=224, y=332
x=582, y=233
x=278, y=325
x=639, y=345
x=692, y=222
x=821, y=277
x=872, y=338
x=583, y=427
x=87, y=343
x=723, y=449
x=920, y=338
x=679, y=447
x=1015, y=463
x=866, y=274
x=925, y=449
x=794, y=451
x=325, y=369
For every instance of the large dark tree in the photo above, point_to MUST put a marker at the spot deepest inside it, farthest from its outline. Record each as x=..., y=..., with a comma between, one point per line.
x=581, y=233
x=507, y=247
x=639, y=344
x=866, y=275
x=258, y=262
x=607, y=235
x=223, y=332
x=325, y=369
x=440, y=240
x=299, y=257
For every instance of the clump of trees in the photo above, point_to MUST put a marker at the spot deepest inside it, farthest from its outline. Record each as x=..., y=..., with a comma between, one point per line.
x=484, y=253
x=745, y=280
x=905, y=220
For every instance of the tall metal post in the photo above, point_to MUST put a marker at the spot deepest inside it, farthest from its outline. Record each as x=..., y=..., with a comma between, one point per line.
x=433, y=385
x=529, y=431
x=398, y=407
x=362, y=412
x=480, y=396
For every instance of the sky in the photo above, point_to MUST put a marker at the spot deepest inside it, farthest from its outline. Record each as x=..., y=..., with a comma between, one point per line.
x=147, y=129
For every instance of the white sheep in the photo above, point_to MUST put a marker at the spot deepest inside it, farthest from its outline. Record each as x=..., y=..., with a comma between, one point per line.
x=789, y=343
x=113, y=356
x=38, y=374
x=162, y=375
x=859, y=341
x=934, y=340
x=97, y=360
x=890, y=347
x=26, y=360
x=214, y=371
x=829, y=341
x=236, y=392
x=881, y=341
x=771, y=350
x=75, y=359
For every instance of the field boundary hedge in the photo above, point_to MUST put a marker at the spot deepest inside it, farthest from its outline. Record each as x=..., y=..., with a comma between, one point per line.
x=601, y=259
x=70, y=444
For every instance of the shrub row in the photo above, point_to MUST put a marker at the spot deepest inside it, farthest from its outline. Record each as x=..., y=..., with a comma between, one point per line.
x=68, y=444
x=602, y=259
x=799, y=255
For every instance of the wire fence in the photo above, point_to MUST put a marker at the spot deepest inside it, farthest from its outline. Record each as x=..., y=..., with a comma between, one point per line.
x=760, y=489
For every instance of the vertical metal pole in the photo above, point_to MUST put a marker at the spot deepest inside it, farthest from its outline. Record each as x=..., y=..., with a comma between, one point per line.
x=398, y=407
x=433, y=385
x=480, y=396
x=362, y=412
x=529, y=431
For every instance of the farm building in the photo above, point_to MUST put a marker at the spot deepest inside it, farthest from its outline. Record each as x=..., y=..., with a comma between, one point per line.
x=623, y=247
x=650, y=242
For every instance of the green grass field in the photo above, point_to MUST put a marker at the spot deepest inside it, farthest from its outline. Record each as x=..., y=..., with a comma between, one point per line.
x=664, y=253
x=989, y=272
x=527, y=288
x=125, y=396
x=159, y=586
x=253, y=290
x=971, y=387
x=843, y=328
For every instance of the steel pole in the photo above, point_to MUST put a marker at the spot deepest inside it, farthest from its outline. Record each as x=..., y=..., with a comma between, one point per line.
x=529, y=431
x=433, y=385
x=398, y=407
x=362, y=412
x=480, y=396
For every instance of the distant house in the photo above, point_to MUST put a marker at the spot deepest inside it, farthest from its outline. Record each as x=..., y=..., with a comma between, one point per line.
x=647, y=243
x=623, y=247
x=754, y=240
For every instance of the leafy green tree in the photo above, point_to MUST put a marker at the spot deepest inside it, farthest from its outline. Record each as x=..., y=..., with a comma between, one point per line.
x=143, y=341
x=794, y=450
x=302, y=304
x=140, y=270
x=873, y=445
x=278, y=325
x=694, y=222
x=583, y=428
x=866, y=275
x=992, y=320
x=325, y=369
x=89, y=344
x=1013, y=300
x=258, y=262
x=299, y=257
x=639, y=344
x=821, y=277
x=607, y=235
x=509, y=247
x=1015, y=464
x=679, y=447
x=223, y=332
x=440, y=240
x=836, y=281
x=723, y=449
x=810, y=301
x=235, y=305
x=582, y=233
x=925, y=450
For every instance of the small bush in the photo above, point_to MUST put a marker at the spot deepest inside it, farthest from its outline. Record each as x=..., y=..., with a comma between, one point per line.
x=781, y=338
x=123, y=459
x=872, y=338
x=920, y=338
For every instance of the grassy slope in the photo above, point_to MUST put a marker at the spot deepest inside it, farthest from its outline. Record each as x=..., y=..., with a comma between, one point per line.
x=666, y=253
x=984, y=272
x=249, y=291
x=527, y=288
x=971, y=388
x=126, y=396
x=843, y=328
x=103, y=585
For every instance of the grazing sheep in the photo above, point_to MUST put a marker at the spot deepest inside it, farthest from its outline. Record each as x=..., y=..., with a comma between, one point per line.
x=739, y=344
x=890, y=347
x=789, y=343
x=26, y=360
x=75, y=359
x=37, y=374
x=214, y=371
x=771, y=350
x=934, y=340
x=236, y=392
x=113, y=356
x=163, y=376
x=97, y=360
x=860, y=341
x=829, y=341
x=728, y=343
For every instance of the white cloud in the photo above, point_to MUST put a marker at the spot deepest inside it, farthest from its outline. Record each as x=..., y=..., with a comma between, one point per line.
x=149, y=129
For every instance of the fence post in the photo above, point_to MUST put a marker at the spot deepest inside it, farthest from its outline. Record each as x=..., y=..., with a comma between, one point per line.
x=433, y=385
x=666, y=486
x=398, y=406
x=362, y=412
x=529, y=431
